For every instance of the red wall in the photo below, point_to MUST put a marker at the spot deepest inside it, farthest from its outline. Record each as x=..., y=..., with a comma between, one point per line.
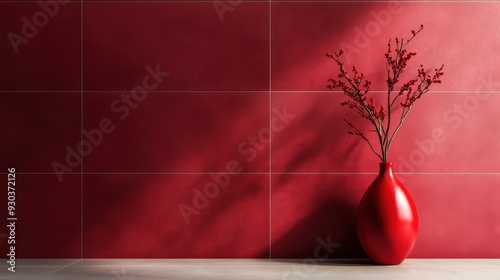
x=231, y=75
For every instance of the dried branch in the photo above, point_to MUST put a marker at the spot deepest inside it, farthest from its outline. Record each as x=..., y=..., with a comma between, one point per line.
x=356, y=88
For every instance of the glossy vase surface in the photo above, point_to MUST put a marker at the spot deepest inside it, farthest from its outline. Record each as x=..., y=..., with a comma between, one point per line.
x=387, y=220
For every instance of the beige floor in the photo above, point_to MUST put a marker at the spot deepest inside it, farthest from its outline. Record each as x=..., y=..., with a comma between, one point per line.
x=133, y=269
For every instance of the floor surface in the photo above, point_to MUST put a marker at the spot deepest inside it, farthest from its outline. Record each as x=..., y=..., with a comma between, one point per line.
x=239, y=269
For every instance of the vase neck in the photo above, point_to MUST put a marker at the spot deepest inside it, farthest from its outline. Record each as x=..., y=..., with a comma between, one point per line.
x=386, y=168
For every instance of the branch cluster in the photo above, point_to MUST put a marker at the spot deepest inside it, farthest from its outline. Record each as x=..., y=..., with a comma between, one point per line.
x=356, y=87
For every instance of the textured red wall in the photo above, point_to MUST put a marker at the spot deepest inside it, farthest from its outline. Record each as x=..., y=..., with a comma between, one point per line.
x=219, y=75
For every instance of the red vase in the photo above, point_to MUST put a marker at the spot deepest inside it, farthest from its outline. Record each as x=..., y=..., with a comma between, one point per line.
x=387, y=220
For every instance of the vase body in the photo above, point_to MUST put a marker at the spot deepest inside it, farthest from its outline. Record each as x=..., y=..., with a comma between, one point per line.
x=387, y=220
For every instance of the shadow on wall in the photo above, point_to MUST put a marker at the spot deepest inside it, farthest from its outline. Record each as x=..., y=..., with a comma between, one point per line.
x=179, y=132
x=233, y=224
x=313, y=210
x=324, y=134
x=326, y=204
x=137, y=215
x=236, y=222
x=317, y=140
x=303, y=32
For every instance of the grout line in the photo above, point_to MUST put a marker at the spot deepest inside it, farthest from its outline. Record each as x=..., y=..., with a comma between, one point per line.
x=270, y=134
x=497, y=91
x=264, y=1
x=259, y=173
x=82, y=123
